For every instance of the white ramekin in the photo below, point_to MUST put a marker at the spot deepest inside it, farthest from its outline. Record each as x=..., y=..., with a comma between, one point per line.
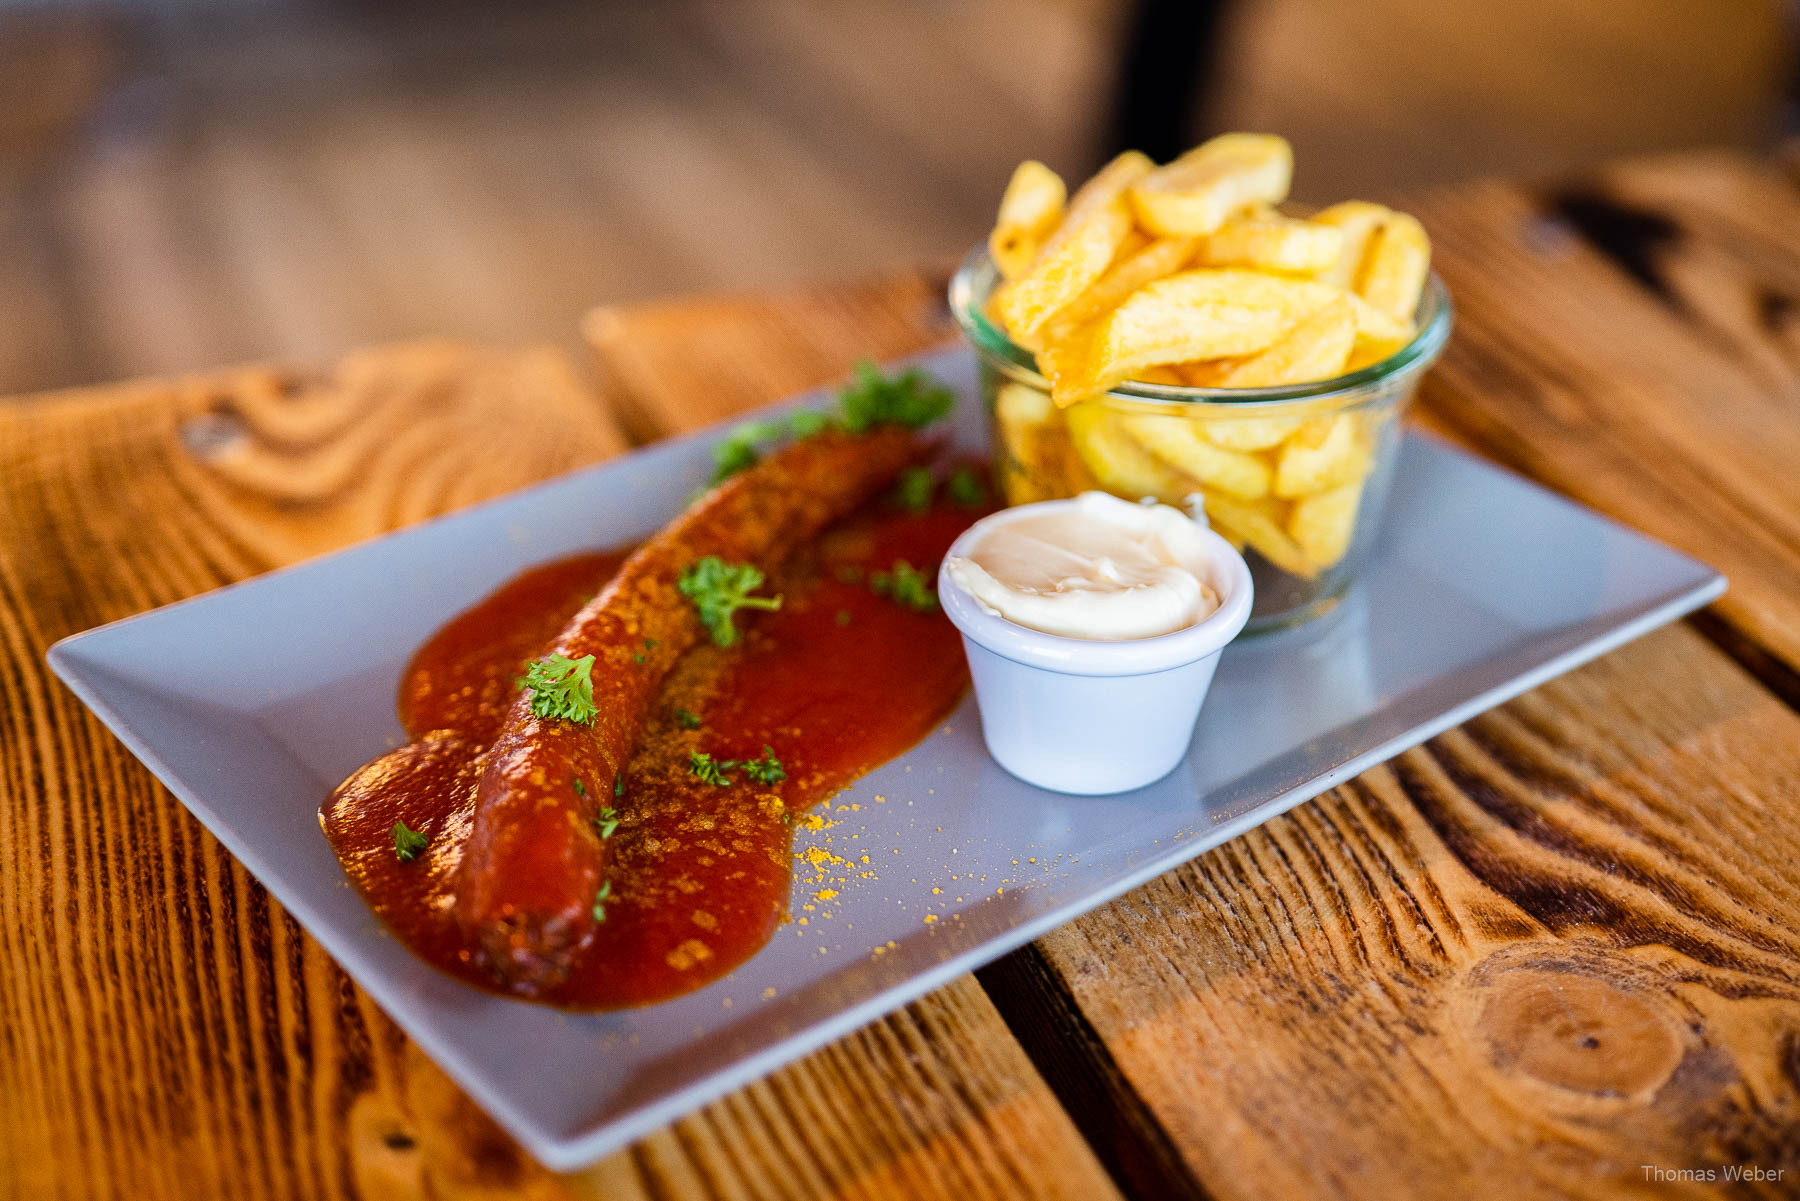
x=1088, y=717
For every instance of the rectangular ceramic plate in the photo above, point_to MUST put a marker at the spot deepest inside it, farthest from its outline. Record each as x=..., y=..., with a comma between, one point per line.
x=252, y=702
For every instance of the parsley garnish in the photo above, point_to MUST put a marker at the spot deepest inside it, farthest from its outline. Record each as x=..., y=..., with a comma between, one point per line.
x=738, y=450
x=843, y=617
x=580, y=788
x=651, y=644
x=600, y=901
x=766, y=770
x=638, y=657
x=966, y=489
x=562, y=687
x=607, y=822
x=911, y=399
x=807, y=422
x=709, y=770
x=912, y=491
x=618, y=785
x=718, y=590
x=904, y=585
x=870, y=398
x=687, y=719
x=408, y=843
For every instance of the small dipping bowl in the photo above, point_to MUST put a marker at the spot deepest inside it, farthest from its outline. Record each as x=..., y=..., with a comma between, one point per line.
x=1086, y=716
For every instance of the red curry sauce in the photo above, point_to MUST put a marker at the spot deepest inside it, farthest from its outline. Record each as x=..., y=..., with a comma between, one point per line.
x=835, y=682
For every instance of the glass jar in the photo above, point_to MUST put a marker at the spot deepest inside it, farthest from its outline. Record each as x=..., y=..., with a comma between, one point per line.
x=1295, y=476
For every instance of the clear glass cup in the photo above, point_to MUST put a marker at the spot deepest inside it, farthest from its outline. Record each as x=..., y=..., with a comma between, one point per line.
x=1296, y=476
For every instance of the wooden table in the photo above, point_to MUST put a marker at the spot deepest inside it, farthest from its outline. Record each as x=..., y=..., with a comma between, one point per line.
x=1545, y=954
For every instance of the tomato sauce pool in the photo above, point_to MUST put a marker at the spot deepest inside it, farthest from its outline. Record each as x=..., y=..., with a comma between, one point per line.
x=834, y=683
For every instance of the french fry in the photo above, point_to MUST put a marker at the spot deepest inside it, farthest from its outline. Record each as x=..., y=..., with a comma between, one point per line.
x=1065, y=465
x=1315, y=349
x=1369, y=351
x=1187, y=274
x=1021, y=412
x=1029, y=211
x=1097, y=221
x=1249, y=433
x=1268, y=241
x=1177, y=441
x=1130, y=271
x=1204, y=314
x=1393, y=269
x=1357, y=220
x=1322, y=454
x=1378, y=326
x=1259, y=524
x=1117, y=462
x=1198, y=191
x=1379, y=334
x=1205, y=373
x=1322, y=524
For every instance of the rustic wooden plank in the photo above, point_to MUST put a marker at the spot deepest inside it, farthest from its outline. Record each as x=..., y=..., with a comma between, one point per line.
x=1648, y=368
x=680, y=365
x=166, y=1031
x=1548, y=948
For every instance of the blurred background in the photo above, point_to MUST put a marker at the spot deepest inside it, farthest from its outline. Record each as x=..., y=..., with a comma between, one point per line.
x=185, y=183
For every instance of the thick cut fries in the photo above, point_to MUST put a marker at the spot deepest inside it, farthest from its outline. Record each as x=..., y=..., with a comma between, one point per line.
x=1177, y=442
x=1198, y=191
x=1357, y=221
x=1393, y=269
x=1078, y=252
x=1029, y=211
x=1270, y=242
x=1206, y=314
x=1189, y=275
x=1315, y=348
x=1258, y=524
x=1130, y=272
x=1321, y=455
x=1118, y=463
x=1323, y=523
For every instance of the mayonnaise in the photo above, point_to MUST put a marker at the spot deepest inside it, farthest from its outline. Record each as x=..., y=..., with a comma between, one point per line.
x=1096, y=567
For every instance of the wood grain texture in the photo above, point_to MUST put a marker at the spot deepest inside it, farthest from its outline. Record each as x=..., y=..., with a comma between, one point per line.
x=1634, y=341
x=1530, y=958
x=1537, y=955
x=166, y=1031
x=685, y=364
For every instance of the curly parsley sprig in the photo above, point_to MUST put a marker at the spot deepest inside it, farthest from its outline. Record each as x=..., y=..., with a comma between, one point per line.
x=913, y=489
x=718, y=590
x=869, y=399
x=912, y=399
x=562, y=688
x=710, y=770
x=408, y=843
x=905, y=585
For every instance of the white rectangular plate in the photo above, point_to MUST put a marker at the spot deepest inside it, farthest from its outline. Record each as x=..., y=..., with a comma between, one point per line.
x=252, y=702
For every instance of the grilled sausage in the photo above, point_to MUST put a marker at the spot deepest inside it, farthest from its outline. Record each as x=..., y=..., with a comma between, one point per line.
x=534, y=861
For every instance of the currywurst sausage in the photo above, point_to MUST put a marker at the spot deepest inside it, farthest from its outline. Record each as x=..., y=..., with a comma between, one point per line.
x=534, y=861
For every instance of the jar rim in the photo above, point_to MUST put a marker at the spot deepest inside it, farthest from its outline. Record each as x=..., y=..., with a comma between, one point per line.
x=975, y=280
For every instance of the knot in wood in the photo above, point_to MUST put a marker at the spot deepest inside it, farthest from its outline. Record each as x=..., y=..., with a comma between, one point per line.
x=1583, y=1019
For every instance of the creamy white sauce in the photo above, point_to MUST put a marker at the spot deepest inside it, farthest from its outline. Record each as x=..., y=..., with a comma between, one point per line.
x=1098, y=567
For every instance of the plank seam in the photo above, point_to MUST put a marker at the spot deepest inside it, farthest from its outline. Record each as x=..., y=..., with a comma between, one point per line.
x=1079, y=1069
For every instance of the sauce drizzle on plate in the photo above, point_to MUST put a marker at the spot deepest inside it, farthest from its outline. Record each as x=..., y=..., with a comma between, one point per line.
x=835, y=682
